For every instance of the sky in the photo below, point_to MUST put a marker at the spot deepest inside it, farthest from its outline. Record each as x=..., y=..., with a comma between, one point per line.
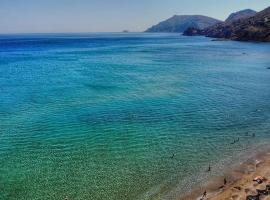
x=52, y=16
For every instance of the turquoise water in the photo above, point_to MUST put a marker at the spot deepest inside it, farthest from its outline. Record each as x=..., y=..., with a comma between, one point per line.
x=126, y=116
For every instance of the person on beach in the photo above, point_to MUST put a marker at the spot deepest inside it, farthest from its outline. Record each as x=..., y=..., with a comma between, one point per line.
x=204, y=195
x=209, y=169
x=235, y=141
x=225, y=181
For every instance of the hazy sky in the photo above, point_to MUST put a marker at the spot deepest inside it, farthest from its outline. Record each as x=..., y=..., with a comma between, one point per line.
x=107, y=15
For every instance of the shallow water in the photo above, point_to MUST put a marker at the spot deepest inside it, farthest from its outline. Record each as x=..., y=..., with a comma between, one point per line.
x=126, y=116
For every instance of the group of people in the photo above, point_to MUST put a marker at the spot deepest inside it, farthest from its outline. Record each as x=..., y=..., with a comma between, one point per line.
x=225, y=180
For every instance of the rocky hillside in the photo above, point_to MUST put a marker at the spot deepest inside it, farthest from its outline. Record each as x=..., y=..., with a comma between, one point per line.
x=179, y=23
x=240, y=15
x=255, y=28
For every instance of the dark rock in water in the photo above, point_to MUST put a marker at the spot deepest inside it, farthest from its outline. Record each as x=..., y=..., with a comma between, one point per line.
x=220, y=39
x=268, y=67
x=256, y=28
x=179, y=23
x=240, y=15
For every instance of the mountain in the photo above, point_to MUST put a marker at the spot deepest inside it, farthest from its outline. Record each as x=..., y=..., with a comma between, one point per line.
x=255, y=28
x=179, y=23
x=240, y=15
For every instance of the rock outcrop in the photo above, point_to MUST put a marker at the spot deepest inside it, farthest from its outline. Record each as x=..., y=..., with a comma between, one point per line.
x=179, y=23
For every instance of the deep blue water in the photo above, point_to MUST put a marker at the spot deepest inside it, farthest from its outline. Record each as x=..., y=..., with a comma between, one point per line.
x=126, y=116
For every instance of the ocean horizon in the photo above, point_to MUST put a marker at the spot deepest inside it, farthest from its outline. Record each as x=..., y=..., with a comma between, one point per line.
x=127, y=115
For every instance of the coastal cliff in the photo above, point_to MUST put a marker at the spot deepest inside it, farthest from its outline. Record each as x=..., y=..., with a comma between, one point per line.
x=255, y=28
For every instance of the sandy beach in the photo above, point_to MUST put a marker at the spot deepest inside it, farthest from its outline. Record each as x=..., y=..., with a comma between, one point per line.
x=239, y=183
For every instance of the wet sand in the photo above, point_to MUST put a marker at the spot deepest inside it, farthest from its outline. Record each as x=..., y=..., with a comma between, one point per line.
x=240, y=182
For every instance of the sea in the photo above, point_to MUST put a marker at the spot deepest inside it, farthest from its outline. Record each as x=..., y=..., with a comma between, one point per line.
x=127, y=116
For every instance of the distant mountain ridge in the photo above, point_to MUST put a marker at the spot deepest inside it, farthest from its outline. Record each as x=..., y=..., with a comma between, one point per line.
x=240, y=15
x=255, y=28
x=179, y=23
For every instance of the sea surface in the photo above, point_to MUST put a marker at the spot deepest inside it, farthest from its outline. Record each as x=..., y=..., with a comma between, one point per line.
x=129, y=116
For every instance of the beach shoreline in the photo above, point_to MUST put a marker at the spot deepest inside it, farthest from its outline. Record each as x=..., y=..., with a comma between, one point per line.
x=239, y=181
